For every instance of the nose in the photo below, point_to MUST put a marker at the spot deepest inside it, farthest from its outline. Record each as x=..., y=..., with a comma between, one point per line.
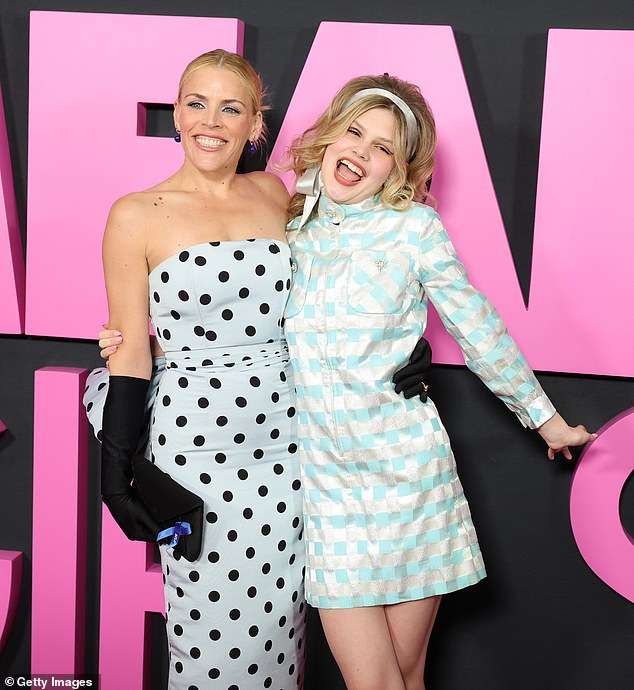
x=212, y=120
x=361, y=149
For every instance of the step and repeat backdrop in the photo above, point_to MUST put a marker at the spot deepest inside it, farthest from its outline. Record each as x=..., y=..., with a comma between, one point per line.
x=534, y=106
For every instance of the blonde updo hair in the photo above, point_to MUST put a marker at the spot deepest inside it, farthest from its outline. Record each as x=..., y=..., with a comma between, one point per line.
x=409, y=179
x=242, y=68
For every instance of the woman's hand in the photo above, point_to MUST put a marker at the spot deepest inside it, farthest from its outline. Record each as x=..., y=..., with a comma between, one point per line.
x=109, y=340
x=559, y=436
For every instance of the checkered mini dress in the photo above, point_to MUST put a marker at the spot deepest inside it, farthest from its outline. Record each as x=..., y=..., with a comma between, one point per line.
x=386, y=519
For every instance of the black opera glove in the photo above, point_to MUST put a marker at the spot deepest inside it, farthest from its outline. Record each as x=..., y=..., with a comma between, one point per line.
x=413, y=378
x=122, y=422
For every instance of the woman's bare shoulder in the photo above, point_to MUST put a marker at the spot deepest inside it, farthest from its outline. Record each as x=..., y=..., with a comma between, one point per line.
x=271, y=185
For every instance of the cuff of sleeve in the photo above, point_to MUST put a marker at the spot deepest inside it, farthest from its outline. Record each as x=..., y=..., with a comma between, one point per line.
x=537, y=413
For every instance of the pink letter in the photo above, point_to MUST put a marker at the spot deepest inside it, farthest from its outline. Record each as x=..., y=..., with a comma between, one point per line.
x=10, y=583
x=131, y=585
x=88, y=74
x=59, y=521
x=594, y=505
x=3, y=427
x=11, y=259
x=582, y=278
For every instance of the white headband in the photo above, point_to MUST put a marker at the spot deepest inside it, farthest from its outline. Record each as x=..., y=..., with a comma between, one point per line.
x=401, y=105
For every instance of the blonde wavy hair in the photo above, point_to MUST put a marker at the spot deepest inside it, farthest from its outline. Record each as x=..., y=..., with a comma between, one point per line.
x=409, y=179
x=243, y=69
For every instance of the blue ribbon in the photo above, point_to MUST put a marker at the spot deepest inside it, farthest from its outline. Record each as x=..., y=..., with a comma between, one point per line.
x=180, y=529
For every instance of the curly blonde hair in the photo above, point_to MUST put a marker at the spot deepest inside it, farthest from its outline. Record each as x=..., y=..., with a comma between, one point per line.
x=242, y=68
x=409, y=179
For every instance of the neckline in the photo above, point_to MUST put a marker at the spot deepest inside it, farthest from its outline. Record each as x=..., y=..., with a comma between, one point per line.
x=213, y=242
x=327, y=208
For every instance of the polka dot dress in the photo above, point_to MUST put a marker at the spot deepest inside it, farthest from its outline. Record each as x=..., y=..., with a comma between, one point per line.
x=224, y=426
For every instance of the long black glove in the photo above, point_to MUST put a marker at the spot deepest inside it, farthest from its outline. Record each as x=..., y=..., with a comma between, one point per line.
x=122, y=422
x=413, y=379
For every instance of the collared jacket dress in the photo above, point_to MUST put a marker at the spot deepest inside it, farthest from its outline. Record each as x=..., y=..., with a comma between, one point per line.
x=386, y=519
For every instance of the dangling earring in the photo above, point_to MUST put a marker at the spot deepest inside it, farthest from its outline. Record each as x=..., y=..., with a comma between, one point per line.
x=177, y=136
x=252, y=147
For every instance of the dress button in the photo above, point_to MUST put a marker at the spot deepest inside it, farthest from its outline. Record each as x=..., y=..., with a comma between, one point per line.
x=330, y=213
x=294, y=267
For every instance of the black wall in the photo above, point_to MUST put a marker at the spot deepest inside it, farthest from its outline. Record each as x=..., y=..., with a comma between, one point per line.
x=542, y=619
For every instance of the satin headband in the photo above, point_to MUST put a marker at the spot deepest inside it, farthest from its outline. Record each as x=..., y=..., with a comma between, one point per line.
x=410, y=120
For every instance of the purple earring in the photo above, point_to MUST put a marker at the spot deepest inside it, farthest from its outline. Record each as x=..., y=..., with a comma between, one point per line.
x=177, y=136
x=252, y=147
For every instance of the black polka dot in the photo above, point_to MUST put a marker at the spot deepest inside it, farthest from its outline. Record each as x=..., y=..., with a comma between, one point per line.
x=250, y=331
x=239, y=438
x=175, y=315
x=181, y=421
x=261, y=418
x=178, y=630
x=244, y=293
x=275, y=396
x=194, y=652
x=183, y=295
x=274, y=249
x=253, y=631
x=260, y=270
x=215, y=383
x=234, y=653
x=255, y=381
x=211, y=335
x=203, y=403
x=194, y=614
x=221, y=421
x=161, y=439
x=241, y=402
x=268, y=607
x=227, y=496
x=292, y=448
x=234, y=614
x=243, y=474
x=253, y=669
x=232, y=535
x=194, y=576
x=279, y=285
x=258, y=453
x=268, y=681
x=252, y=592
x=199, y=440
x=214, y=673
x=214, y=596
x=156, y=297
x=178, y=667
x=166, y=400
x=220, y=458
x=214, y=634
x=200, y=261
x=233, y=575
x=183, y=382
x=275, y=433
x=167, y=334
x=213, y=557
x=247, y=513
x=180, y=460
x=250, y=552
x=211, y=517
x=199, y=330
x=223, y=276
x=205, y=478
x=227, y=314
x=265, y=309
x=266, y=530
x=205, y=299
x=183, y=256
x=179, y=592
x=263, y=491
x=281, y=507
x=238, y=255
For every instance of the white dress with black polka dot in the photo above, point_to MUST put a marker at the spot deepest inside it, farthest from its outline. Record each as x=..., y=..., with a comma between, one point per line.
x=224, y=427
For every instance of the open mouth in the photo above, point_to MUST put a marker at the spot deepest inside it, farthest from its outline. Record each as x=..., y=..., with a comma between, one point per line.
x=348, y=173
x=210, y=143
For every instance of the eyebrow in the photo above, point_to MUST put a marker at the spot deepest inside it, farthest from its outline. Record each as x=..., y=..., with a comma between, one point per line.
x=387, y=141
x=224, y=101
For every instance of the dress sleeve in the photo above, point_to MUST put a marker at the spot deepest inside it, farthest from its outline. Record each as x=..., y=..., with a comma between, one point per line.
x=473, y=322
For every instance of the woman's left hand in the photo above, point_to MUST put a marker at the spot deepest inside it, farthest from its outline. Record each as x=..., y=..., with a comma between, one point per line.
x=559, y=436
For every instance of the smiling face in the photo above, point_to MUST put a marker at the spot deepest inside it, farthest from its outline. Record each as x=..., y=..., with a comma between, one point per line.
x=357, y=165
x=214, y=114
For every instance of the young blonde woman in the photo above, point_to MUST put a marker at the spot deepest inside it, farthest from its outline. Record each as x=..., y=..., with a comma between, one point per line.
x=388, y=529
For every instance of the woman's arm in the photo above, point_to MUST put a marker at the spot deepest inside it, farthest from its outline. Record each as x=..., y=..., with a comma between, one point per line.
x=488, y=349
x=126, y=275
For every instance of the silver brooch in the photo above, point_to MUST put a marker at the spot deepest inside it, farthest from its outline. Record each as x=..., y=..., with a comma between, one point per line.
x=380, y=264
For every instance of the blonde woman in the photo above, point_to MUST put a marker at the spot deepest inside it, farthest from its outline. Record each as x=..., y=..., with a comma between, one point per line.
x=388, y=528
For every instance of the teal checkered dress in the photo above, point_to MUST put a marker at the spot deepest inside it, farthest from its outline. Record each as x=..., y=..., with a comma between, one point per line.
x=386, y=519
